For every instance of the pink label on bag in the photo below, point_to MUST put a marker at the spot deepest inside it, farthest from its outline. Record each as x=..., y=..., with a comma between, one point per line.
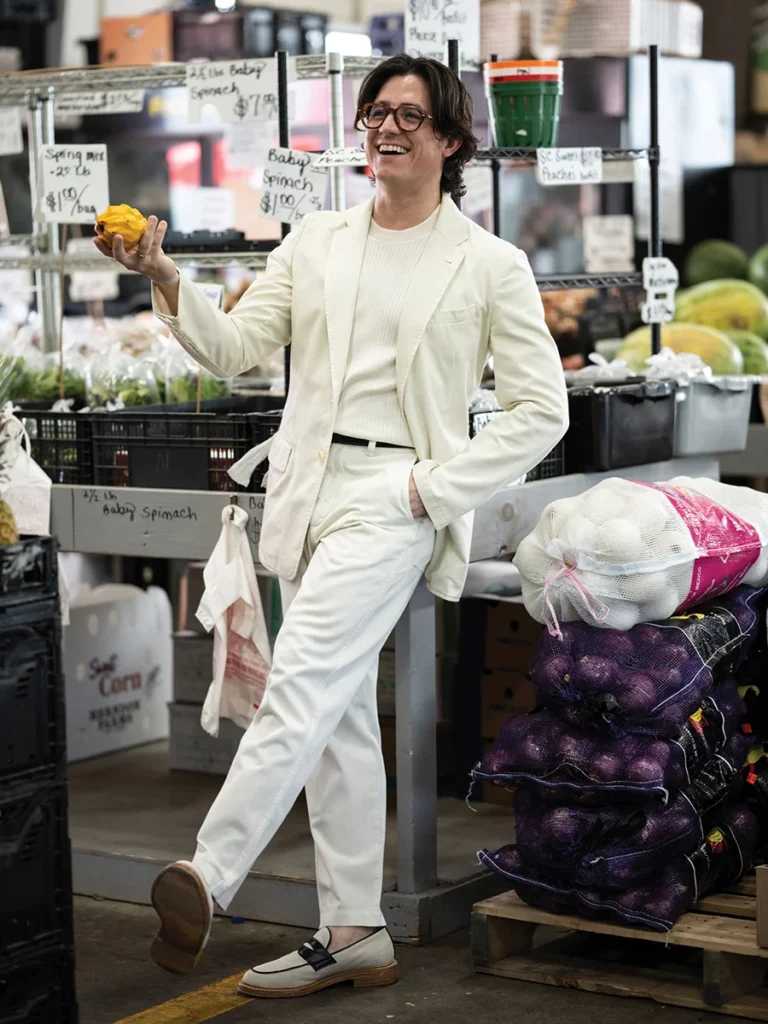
x=728, y=546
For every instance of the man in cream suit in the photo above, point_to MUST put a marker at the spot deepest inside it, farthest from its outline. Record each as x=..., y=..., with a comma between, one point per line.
x=392, y=309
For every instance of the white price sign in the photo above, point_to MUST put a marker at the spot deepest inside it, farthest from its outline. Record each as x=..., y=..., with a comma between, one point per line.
x=247, y=143
x=16, y=285
x=609, y=244
x=75, y=183
x=118, y=101
x=479, y=182
x=293, y=186
x=660, y=280
x=429, y=24
x=569, y=166
x=242, y=90
x=91, y=286
x=11, y=139
x=213, y=292
x=348, y=156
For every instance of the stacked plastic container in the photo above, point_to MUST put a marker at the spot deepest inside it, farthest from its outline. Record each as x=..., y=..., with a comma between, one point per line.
x=524, y=101
x=36, y=929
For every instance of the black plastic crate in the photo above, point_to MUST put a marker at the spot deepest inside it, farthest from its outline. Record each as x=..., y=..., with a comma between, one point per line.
x=553, y=465
x=29, y=571
x=35, y=863
x=28, y=10
x=175, y=451
x=61, y=444
x=38, y=987
x=32, y=719
x=619, y=425
x=263, y=425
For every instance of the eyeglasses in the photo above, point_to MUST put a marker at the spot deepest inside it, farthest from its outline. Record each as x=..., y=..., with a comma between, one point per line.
x=408, y=117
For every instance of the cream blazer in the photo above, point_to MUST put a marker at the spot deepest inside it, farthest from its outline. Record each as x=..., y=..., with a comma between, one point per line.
x=471, y=295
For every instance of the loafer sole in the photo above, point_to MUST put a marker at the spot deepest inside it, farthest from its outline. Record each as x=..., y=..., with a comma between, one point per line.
x=362, y=977
x=181, y=903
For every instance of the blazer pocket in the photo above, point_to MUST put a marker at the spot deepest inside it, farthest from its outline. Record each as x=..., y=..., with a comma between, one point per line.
x=279, y=454
x=455, y=316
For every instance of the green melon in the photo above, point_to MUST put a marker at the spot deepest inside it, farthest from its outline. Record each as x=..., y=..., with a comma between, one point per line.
x=758, y=269
x=713, y=260
x=753, y=349
x=726, y=305
x=715, y=348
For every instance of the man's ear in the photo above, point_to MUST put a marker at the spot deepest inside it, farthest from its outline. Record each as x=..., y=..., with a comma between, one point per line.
x=450, y=146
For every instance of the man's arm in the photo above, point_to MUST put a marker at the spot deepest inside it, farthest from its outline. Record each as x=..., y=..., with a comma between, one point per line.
x=530, y=388
x=260, y=324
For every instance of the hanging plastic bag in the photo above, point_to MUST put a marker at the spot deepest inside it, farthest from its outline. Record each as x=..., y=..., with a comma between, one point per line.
x=27, y=489
x=231, y=606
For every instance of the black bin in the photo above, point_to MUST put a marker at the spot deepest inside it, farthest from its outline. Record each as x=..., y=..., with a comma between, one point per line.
x=618, y=425
x=38, y=986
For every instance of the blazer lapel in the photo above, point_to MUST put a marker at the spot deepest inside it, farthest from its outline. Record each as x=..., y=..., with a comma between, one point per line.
x=438, y=263
x=342, y=277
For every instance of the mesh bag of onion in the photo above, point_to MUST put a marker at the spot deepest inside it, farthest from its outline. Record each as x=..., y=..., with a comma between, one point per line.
x=617, y=847
x=650, y=679
x=756, y=795
x=721, y=858
x=626, y=552
x=563, y=763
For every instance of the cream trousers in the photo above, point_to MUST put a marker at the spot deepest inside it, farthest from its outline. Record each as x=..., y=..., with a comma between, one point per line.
x=318, y=725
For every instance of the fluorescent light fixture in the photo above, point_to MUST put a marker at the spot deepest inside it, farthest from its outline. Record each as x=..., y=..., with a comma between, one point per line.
x=225, y=5
x=351, y=44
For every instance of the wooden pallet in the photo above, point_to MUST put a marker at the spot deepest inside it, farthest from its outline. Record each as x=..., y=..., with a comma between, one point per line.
x=709, y=961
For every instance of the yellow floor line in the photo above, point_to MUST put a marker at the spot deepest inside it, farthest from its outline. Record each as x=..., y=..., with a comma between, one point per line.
x=194, y=1007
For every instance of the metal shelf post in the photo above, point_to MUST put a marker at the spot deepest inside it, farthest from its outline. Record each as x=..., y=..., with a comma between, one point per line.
x=654, y=230
x=50, y=300
x=284, y=139
x=336, y=126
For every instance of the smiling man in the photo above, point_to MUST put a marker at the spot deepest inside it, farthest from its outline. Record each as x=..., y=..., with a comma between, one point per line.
x=393, y=309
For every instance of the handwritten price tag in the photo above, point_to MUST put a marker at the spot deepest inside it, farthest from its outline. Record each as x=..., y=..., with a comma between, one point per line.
x=660, y=279
x=90, y=286
x=609, y=244
x=11, y=140
x=293, y=186
x=122, y=101
x=348, y=156
x=243, y=90
x=569, y=166
x=429, y=24
x=75, y=183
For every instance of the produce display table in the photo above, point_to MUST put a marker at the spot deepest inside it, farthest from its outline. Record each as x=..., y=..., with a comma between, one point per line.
x=187, y=524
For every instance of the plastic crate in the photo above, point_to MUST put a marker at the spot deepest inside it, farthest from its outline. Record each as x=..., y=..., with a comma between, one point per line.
x=35, y=863
x=618, y=425
x=553, y=465
x=29, y=571
x=61, y=444
x=713, y=417
x=192, y=749
x=32, y=722
x=175, y=451
x=38, y=987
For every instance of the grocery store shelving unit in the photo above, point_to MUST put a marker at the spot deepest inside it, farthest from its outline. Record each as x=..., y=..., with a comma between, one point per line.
x=419, y=904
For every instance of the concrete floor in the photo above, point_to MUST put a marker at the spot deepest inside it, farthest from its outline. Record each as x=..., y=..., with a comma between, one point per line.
x=116, y=979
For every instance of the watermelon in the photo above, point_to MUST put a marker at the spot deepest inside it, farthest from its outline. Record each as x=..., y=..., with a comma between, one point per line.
x=753, y=349
x=713, y=260
x=758, y=269
x=726, y=305
x=715, y=348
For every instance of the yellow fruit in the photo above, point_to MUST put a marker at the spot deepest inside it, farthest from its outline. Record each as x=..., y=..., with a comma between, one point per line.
x=121, y=220
x=715, y=348
x=9, y=533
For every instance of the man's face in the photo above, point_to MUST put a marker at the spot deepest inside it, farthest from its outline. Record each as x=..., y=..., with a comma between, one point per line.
x=403, y=157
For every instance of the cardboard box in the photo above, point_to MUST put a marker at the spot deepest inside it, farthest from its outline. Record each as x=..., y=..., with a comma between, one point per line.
x=511, y=636
x=192, y=749
x=147, y=39
x=192, y=667
x=504, y=694
x=118, y=668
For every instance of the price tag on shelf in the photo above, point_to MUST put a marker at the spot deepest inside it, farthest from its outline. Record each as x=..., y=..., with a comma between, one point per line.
x=241, y=90
x=609, y=244
x=479, y=182
x=11, y=139
x=293, y=186
x=118, y=101
x=569, y=166
x=247, y=143
x=16, y=285
x=429, y=24
x=75, y=184
x=213, y=292
x=348, y=156
x=87, y=285
x=660, y=280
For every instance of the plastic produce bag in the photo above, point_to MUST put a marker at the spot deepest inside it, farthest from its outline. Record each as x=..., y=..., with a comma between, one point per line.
x=26, y=488
x=231, y=605
x=180, y=375
x=118, y=381
x=563, y=763
x=650, y=679
x=721, y=858
x=625, y=552
x=617, y=847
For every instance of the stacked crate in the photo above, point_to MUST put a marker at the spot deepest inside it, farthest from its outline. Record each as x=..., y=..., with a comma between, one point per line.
x=36, y=928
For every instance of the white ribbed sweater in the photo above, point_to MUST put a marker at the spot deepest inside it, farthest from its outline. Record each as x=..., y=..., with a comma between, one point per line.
x=368, y=405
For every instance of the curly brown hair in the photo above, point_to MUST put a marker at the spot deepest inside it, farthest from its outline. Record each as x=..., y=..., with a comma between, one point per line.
x=451, y=109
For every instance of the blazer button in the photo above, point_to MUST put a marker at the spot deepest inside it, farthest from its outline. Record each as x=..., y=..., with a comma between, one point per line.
x=321, y=456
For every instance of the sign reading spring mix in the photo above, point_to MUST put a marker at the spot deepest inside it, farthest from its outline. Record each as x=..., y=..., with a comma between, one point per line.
x=293, y=185
x=241, y=90
x=429, y=24
x=75, y=184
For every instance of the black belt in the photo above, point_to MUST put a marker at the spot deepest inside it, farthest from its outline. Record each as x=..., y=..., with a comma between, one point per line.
x=343, y=439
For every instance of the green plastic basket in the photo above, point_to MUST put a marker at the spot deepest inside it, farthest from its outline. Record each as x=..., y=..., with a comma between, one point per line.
x=524, y=114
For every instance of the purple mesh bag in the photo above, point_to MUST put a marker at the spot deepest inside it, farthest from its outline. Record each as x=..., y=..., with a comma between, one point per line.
x=565, y=764
x=720, y=859
x=617, y=847
x=649, y=679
